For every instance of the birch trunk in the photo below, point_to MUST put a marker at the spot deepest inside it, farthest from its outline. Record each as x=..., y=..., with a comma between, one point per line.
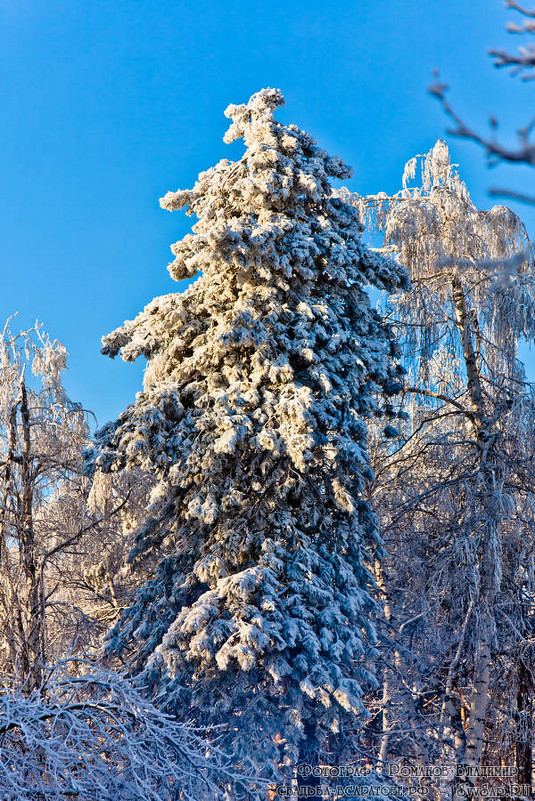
x=33, y=654
x=490, y=548
x=390, y=686
x=524, y=726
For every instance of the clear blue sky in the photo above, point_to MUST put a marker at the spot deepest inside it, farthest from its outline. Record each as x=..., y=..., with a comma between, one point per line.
x=107, y=104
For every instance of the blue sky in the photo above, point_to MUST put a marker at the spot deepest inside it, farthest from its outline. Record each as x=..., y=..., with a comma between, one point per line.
x=107, y=104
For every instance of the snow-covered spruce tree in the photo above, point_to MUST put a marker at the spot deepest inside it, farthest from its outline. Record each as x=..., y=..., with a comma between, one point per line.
x=258, y=379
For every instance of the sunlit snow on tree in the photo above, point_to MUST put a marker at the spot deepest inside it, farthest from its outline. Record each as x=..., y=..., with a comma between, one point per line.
x=258, y=379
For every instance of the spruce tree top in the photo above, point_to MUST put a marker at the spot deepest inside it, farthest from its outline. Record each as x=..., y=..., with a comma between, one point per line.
x=258, y=377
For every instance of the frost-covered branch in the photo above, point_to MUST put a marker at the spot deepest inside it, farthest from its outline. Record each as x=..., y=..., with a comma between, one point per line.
x=524, y=59
x=95, y=737
x=522, y=62
x=496, y=152
x=439, y=396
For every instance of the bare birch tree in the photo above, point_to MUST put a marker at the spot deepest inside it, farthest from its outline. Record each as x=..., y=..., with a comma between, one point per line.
x=456, y=487
x=41, y=437
x=51, y=541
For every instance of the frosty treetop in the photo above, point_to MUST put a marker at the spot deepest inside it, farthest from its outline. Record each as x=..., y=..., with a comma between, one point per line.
x=258, y=376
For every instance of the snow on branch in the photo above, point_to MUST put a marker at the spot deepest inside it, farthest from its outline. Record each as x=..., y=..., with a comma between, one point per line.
x=522, y=62
x=524, y=59
x=95, y=736
x=503, y=266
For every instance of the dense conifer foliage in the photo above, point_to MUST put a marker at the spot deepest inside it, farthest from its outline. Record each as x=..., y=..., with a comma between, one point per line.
x=259, y=378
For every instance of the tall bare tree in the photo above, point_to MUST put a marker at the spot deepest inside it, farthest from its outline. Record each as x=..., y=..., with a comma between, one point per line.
x=456, y=485
x=42, y=499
